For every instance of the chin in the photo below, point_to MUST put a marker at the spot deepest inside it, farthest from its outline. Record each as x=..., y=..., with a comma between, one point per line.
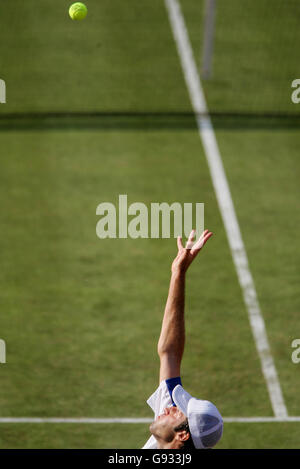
x=154, y=428
x=151, y=427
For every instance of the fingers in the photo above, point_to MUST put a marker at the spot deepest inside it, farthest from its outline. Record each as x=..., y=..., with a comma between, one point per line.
x=190, y=241
x=201, y=241
x=179, y=243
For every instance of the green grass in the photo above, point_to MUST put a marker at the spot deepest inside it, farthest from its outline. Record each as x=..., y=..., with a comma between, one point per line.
x=255, y=58
x=81, y=316
x=108, y=62
x=264, y=180
x=94, y=304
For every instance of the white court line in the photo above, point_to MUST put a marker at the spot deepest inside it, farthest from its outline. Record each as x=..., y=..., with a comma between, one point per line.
x=86, y=420
x=226, y=206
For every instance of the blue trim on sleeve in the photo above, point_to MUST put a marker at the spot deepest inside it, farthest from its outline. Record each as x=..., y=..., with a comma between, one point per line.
x=171, y=384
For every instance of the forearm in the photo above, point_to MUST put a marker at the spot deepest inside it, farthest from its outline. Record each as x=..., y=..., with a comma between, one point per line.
x=172, y=336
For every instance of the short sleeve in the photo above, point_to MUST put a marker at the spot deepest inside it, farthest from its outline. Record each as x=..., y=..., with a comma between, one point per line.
x=160, y=399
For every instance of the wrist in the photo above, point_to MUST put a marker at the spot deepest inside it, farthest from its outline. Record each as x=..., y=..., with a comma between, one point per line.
x=179, y=271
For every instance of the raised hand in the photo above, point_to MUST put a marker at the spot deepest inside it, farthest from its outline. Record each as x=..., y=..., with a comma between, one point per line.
x=187, y=254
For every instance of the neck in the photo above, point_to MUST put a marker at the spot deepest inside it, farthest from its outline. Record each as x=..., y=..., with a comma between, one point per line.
x=175, y=444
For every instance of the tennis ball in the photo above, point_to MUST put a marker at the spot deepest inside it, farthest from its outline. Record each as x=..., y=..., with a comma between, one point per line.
x=78, y=11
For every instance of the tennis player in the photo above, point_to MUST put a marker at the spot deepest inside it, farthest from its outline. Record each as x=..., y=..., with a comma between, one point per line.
x=181, y=421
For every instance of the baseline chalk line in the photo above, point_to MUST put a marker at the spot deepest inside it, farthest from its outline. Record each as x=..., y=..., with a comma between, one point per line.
x=87, y=420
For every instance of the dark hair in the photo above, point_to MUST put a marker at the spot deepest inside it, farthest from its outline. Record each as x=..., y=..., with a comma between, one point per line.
x=187, y=444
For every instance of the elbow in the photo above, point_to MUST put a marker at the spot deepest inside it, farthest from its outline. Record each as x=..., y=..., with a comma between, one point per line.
x=166, y=350
x=162, y=350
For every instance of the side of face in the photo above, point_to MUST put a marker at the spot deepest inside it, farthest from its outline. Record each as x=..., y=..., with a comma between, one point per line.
x=163, y=428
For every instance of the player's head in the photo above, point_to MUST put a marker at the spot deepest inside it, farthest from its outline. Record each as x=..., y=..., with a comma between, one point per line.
x=192, y=422
x=171, y=429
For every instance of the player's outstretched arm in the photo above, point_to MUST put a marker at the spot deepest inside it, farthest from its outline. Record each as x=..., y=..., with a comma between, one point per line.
x=170, y=346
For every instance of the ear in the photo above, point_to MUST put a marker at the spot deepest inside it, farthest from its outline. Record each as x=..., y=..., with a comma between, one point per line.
x=183, y=435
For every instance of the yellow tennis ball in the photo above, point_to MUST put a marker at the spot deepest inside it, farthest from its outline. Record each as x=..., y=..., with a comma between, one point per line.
x=78, y=11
